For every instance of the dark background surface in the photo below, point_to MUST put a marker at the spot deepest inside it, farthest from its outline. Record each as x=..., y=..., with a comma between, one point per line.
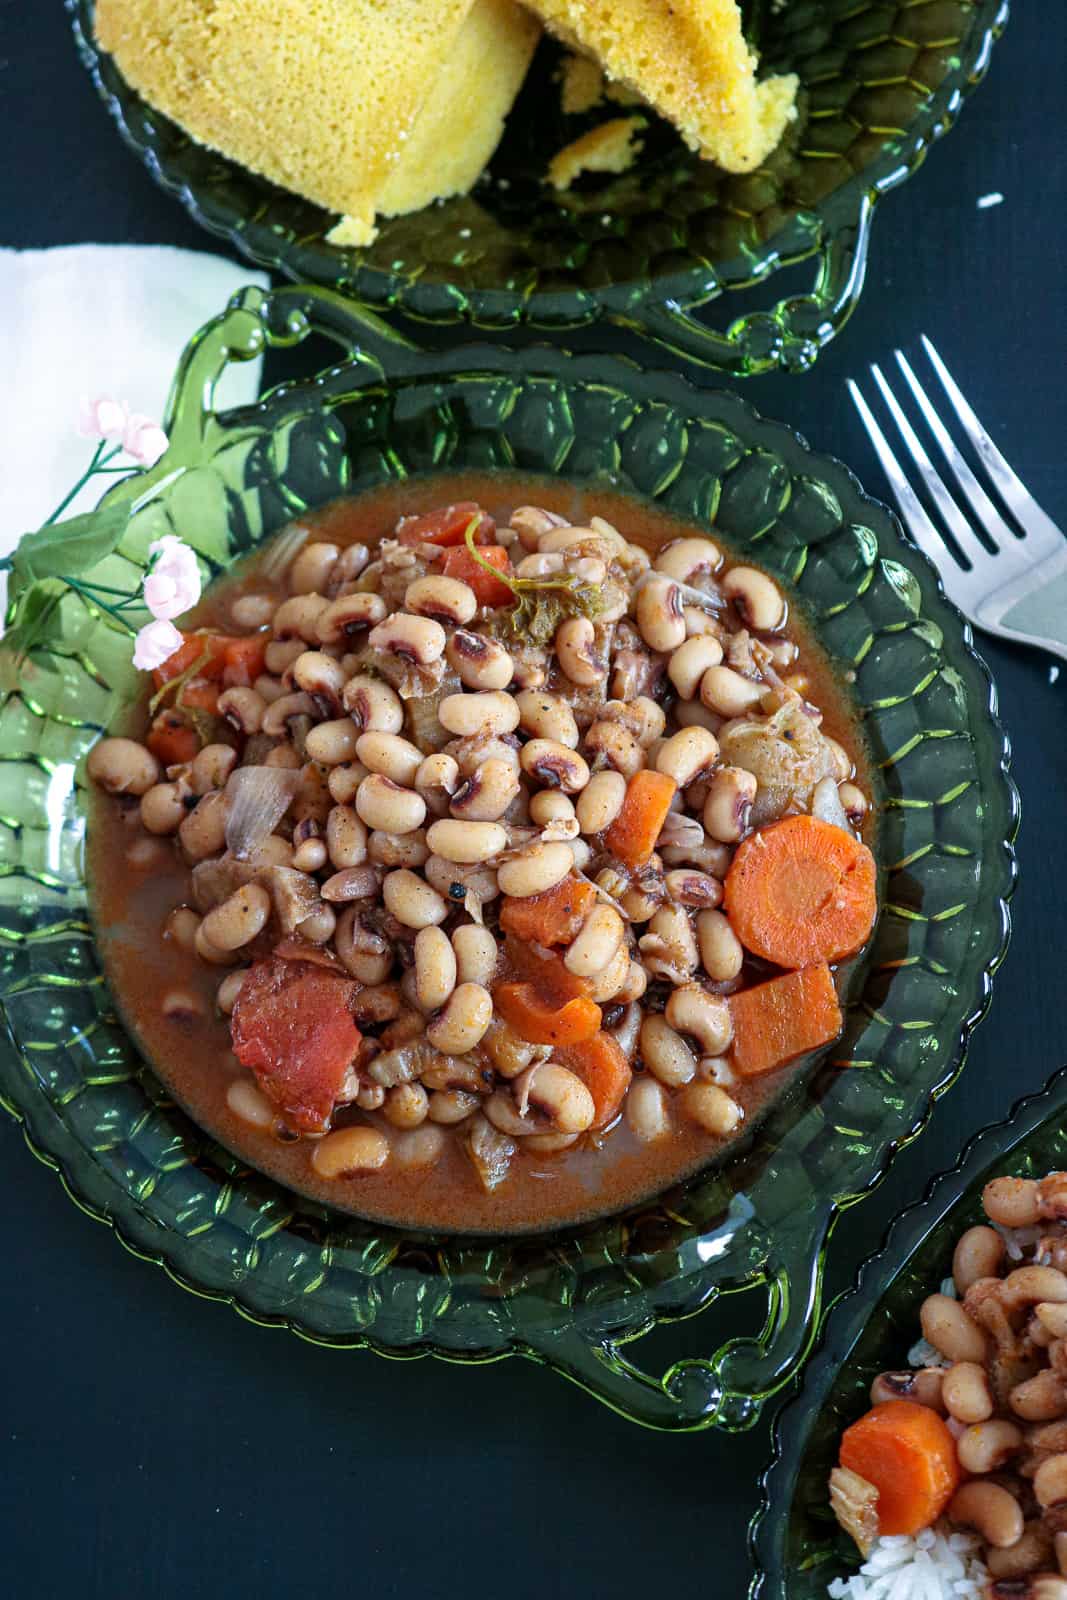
x=153, y=1444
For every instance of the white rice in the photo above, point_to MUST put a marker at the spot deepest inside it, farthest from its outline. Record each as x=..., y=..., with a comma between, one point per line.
x=936, y=1564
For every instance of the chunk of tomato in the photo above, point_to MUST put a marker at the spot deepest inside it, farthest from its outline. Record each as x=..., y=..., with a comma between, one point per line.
x=292, y=1024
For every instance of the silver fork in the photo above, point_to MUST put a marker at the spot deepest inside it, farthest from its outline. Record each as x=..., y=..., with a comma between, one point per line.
x=1017, y=590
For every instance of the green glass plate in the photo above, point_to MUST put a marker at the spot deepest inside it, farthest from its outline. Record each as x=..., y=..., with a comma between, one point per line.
x=645, y=251
x=797, y=1547
x=760, y=1219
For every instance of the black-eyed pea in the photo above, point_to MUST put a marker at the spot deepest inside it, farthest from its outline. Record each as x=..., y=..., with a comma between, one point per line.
x=181, y=926
x=482, y=712
x=468, y=843
x=398, y=849
x=320, y=926
x=853, y=801
x=669, y=948
x=648, y=1113
x=757, y=597
x=278, y=657
x=479, y=662
x=476, y=953
x=610, y=982
x=1022, y=1566
x=506, y=1116
x=690, y=661
x=212, y=953
x=446, y=600
x=487, y=793
x=284, y=756
x=320, y=676
x=297, y=620
x=946, y=1325
x=412, y=901
x=228, y=990
x=531, y=522
x=686, y=755
x=721, y=952
x=122, y=766
x=243, y=709
x=610, y=744
x=695, y=714
x=559, y=1094
x=705, y=1017
x=966, y=1392
x=351, y=883
x=203, y=832
x=180, y=1005
x=729, y=804
x=696, y=890
x=417, y=639
x=535, y=869
x=684, y=559
x=374, y=706
x=454, y=881
x=712, y=1108
x=727, y=693
x=659, y=614
x=310, y=855
x=554, y=765
x=350, y=566
x=600, y=801
x=381, y=803
x=1039, y=1399
x=549, y=1144
x=435, y=968
x=550, y=805
x=449, y=1107
x=547, y=716
x=843, y=766
x=463, y=1020
x=311, y=569
x=350, y=1151
x=1028, y=1285
x=978, y=1254
x=665, y=1053
x=343, y=781
x=391, y=756
x=1012, y=1202
x=437, y=780
x=163, y=808
x=253, y=610
x=634, y=984
x=247, y=1101
x=601, y=937
x=346, y=837
x=990, y=1510
x=212, y=767
x=1050, y=1481
x=989, y=1446
x=362, y=950
x=1052, y=1316
x=348, y=615
x=406, y=1105
x=332, y=743
x=575, y=645
x=277, y=715
x=923, y=1387
x=419, y=1147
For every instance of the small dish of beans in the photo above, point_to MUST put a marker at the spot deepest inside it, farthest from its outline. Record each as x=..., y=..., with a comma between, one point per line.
x=971, y=1436
x=484, y=866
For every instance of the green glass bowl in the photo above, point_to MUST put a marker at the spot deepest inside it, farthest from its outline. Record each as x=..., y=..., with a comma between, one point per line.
x=759, y=1220
x=645, y=251
x=797, y=1546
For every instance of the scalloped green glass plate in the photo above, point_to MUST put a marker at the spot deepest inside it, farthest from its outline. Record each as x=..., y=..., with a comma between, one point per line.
x=758, y=1220
x=798, y=1548
x=880, y=82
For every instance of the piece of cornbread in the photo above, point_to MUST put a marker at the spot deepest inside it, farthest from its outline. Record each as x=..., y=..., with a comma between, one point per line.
x=689, y=59
x=611, y=147
x=367, y=107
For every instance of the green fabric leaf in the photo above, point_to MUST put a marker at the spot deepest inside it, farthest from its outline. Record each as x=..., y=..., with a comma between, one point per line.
x=65, y=549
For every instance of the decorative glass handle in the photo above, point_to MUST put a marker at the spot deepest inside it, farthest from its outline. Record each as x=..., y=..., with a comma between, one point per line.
x=727, y=1389
x=788, y=337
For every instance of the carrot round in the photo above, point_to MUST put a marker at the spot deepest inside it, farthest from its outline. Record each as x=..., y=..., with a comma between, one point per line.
x=447, y=526
x=239, y=661
x=554, y=917
x=908, y=1454
x=544, y=969
x=801, y=891
x=786, y=1017
x=632, y=836
x=605, y=1071
x=488, y=591
x=539, y=1022
x=171, y=740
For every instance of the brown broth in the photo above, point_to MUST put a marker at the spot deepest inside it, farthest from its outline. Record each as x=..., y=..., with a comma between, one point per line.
x=193, y=1057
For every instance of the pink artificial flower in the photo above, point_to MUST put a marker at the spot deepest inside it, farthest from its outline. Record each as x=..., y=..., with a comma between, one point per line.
x=143, y=439
x=102, y=418
x=156, y=643
x=173, y=583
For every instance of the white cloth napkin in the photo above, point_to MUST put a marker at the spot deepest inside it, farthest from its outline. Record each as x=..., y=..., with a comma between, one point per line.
x=90, y=320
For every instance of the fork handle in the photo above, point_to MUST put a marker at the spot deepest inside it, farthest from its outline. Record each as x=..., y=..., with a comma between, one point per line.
x=1033, y=609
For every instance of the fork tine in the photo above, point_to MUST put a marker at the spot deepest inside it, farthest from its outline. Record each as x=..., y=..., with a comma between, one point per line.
x=971, y=547
x=912, y=510
x=1016, y=496
x=988, y=516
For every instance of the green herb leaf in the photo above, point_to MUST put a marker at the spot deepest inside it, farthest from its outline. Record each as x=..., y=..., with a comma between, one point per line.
x=67, y=548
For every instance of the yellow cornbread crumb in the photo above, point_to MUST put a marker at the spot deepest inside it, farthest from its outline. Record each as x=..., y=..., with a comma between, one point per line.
x=582, y=84
x=689, y=59
x=612, y=147
x=367, y=107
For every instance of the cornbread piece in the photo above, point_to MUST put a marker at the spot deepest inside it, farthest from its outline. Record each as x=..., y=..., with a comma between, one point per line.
x=688, y=59
x=364, y=106
x=583, y=86
x=611, y=147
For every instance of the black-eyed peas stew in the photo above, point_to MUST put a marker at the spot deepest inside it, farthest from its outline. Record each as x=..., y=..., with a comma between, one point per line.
x=484, y=871
x=971, y=1437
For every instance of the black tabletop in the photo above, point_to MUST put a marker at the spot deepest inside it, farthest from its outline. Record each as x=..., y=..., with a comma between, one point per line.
x=153, y=1444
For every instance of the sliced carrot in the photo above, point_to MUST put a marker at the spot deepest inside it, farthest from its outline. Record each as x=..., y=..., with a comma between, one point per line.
x=907, y=1453
x=447, y=526
x=802, y=891
x=632, y=836
x=555, y=917
x=237, y=661
x=784, y=1018
x=199, y=694
x=292, y=1024
x=605, y=1071
x=192, y=647
x=545, y=970
x=540, y=1022
x=489, y=591
x=172, y=740
x=243, y=660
